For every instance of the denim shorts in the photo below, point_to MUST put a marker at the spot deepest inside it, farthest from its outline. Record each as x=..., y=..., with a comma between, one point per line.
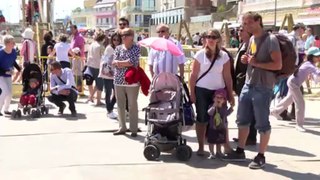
x=99, y=81
x=204, y=98
x=254, y=103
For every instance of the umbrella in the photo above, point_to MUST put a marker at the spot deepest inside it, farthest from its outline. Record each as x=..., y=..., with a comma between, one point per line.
x=161, y=44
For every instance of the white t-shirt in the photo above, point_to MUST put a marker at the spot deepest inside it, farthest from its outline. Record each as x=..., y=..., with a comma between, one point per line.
x=213, y=80
x=95, y=53
x=62, y=50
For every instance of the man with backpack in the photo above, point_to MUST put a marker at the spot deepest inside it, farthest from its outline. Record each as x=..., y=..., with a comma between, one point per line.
x=263, y=58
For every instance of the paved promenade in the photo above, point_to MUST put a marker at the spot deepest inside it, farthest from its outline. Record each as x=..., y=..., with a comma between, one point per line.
x=83, y=148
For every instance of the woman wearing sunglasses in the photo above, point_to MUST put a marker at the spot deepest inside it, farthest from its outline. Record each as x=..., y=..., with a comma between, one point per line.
x=126, y=55
x=210, y=71
x=107, y=74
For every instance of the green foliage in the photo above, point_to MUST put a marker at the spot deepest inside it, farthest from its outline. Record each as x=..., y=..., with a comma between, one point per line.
x=221, y=8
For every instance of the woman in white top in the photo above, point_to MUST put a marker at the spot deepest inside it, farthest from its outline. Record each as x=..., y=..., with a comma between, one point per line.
x=107, y=74
x=62, y=51
x=203, y=85
x=95, y=53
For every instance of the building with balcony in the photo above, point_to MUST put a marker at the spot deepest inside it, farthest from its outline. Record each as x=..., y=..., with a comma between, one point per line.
x=106, y=14
x=173, y=11
x=84, y=17
x=138, y=12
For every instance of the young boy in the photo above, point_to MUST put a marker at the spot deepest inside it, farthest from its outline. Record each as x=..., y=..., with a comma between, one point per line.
x=216, y=132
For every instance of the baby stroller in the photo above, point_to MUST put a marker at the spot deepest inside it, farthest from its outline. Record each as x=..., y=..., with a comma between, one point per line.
x=32, y=71
x=164, y=119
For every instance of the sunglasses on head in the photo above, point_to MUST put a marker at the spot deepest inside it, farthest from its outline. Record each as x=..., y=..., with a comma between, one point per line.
x=211, y=37
x=162, y=31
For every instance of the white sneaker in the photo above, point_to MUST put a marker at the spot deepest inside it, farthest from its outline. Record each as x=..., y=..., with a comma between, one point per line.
x=212, y=156
x=300, y=128
x=274, y=114
x=112, y=115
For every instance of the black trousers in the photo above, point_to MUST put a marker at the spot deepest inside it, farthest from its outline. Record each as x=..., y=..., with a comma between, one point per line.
x=65, y=64
x=58, y=100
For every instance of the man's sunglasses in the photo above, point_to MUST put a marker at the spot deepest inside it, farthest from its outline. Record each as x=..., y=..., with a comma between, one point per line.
x=122, y=24
x=211, y=37
x=162, y=31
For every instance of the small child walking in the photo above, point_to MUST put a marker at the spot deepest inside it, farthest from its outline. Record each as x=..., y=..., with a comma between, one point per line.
x=77, y=67
x=217, y=126
x=294, y=82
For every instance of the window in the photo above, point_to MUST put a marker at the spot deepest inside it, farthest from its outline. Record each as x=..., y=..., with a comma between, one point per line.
x=138, y=2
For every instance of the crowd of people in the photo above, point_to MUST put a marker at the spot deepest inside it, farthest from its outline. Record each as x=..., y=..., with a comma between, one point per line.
x=212, y=83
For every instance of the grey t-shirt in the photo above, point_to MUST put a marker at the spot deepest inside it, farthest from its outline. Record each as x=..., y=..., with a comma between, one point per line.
x=257, y=76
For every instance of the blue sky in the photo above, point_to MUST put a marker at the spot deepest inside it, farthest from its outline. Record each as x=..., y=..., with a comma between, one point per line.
x=11, y=9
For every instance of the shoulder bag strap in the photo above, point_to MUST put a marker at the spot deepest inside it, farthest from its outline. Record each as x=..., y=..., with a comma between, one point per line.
x=65, y=82
x=211, y=65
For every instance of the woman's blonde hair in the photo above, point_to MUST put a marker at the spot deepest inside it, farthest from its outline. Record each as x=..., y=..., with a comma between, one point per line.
x=208, y=51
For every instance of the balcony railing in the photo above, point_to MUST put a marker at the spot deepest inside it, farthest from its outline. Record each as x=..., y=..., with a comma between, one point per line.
x=138, y=9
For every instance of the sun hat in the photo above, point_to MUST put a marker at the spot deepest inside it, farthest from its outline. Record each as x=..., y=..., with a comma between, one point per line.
x=221, y=92
x=313, y=51
x=28, y=33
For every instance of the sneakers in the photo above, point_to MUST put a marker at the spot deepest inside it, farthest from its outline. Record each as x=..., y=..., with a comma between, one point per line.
x=112, y=115
x=61, y=109
x=7, y=113
x=257, y=163
x=74, y=113
x=119, y=132
x=276, y=115
x=300, y=128
x=234, y=156
x=212, y=156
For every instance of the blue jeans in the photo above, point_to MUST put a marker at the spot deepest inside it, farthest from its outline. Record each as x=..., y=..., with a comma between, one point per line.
x=110, y=101
x=254, y=104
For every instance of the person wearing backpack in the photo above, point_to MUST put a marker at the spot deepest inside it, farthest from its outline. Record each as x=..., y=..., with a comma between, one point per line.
x=263, y=58
x=294, y=82
x=294, y=36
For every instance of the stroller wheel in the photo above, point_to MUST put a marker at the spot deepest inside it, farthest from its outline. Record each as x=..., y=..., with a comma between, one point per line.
x=14, y=114
x=38, y=113
x=151, y=152
x=24, y=110
x=43, y=109
x=183, y=153
x=33, y=114
x=19, y=114
x=46, y=110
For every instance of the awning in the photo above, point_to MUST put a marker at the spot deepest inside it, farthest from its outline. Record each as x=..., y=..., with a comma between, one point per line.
x=103, y=5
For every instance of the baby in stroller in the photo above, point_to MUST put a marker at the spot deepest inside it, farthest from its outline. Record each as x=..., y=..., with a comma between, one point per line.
x=32, y=96
x=164, y=118
x=216, y=130
x=29, y=97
